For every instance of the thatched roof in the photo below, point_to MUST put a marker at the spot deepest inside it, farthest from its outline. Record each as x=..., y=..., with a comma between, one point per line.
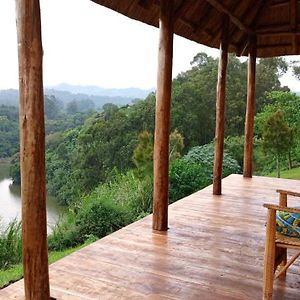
x=274, y=22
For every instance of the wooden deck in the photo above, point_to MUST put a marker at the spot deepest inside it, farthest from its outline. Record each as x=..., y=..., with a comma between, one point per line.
x=213, y=250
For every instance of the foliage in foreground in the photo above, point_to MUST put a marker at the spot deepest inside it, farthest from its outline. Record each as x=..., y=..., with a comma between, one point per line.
x=10, y=245
x=195, y=171
x=14, y=273
x=109, y=207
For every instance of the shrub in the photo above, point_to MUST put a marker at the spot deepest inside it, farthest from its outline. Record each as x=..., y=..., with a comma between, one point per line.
x=187, y=178
x=100, y=217
x=109, y=207
x=234, y=145
x=204, y=155
x=11, y=245
x=65, y=234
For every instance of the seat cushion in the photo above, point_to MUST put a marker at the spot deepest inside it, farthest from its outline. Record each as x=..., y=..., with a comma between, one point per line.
x=288, y=223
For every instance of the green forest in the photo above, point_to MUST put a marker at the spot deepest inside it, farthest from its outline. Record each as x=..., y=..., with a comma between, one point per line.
x=99, y=163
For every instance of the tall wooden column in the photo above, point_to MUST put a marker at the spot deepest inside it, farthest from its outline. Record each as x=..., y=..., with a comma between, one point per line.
x=32, y=151
x=249, y=122
x=162, y=117
x=220, y=110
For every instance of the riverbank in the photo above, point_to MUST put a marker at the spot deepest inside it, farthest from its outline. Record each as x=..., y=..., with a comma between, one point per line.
x=11, y=204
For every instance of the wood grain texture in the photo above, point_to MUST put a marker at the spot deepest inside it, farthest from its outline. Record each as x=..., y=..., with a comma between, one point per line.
x=32, y=150
x=220, y=110
x=269, y=256
x=250, y=110
x=162, y=118
x=213, y=249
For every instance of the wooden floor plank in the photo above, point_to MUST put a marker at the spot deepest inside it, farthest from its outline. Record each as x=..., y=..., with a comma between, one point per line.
x=213, y=250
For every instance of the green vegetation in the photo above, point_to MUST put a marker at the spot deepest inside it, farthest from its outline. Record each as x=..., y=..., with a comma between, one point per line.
x=99, y=164
x=15, y=273
x=10, y=245
x=289, y=174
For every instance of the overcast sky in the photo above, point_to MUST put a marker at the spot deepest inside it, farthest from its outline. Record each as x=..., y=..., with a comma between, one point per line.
x=86, y=44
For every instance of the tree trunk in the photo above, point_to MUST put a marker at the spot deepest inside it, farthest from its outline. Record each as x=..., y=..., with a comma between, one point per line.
x=290, y=160
x=278, y=166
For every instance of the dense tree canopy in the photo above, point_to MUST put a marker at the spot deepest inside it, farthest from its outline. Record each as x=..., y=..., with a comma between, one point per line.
x=85, y=156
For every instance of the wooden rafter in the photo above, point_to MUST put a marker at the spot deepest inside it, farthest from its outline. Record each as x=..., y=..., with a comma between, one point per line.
x=274, y=29
x=218, y=32
x=145, y=3
x=293, y=23
x=194, y=27
x=181, y=9
x=263, y=5
x=244, y=15
x=204, y=18
x=235, y=20
x=293, y=14
x=281, y=33
x=282, y=3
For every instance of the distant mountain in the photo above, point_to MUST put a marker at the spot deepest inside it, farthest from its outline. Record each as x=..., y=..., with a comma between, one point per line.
x=9, y=97
x=98, y=91
x=67, y=93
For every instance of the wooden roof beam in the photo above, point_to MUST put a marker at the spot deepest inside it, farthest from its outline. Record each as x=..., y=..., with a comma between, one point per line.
x=145, y=3
x=271, y=47
x=204, y=18
x=236, y=21
x=293, y=23
x=181, y=9
x=282, y=3
x=263, y=5
x=274, y=29
x=245, y=14
x=281, y=33
x=293, y=14
x=194, y=27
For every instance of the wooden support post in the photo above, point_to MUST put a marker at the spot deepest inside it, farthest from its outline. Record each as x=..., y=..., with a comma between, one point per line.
x=249, y=122
x=220, y=110
x=162, y=117
x=32, y=151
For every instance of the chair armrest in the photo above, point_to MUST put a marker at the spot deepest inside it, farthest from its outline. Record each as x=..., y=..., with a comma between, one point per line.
x=291, y=193
x=282, y=208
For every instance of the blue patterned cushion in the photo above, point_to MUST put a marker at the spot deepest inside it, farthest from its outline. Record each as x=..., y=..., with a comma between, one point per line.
x=288, y=223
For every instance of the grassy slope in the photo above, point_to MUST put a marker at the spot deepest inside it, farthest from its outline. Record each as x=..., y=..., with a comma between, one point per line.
x=15, y=273
x=289, y=174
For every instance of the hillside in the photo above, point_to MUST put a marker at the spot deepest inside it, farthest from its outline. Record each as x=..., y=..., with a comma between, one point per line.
x=67, y=93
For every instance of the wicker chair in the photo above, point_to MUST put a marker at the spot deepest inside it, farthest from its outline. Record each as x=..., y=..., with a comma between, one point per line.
x=277, y=245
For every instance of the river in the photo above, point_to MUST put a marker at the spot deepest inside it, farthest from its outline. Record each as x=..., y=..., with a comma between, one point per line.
x=10, y=201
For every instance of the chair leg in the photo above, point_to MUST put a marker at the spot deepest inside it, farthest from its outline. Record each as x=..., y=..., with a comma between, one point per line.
x=283, y=202
x=269, y=258
x=283, y=263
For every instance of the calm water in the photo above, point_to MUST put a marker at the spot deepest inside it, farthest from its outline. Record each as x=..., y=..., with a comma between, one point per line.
x=10, y=201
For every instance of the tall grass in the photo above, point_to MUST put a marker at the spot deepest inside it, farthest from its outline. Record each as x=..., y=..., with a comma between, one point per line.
x=10, y=245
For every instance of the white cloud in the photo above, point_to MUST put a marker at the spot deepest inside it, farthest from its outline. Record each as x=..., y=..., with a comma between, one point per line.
x=85, y=44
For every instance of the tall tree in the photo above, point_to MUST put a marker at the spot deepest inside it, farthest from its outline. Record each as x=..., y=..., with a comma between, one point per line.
x=277, y=137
